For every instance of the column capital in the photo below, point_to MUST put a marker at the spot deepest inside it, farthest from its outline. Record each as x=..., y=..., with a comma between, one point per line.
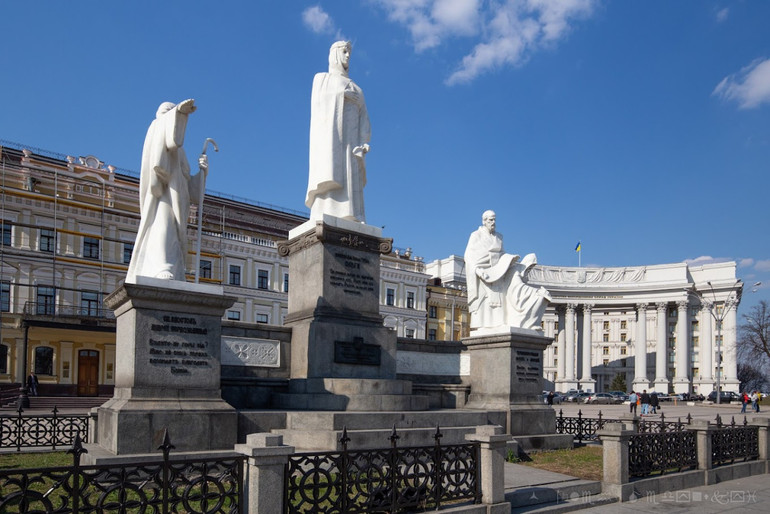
x=682, y=304
x=588, y=306
x=571, y=308
x=641, y=307
x=706, y=305
x=661, y=306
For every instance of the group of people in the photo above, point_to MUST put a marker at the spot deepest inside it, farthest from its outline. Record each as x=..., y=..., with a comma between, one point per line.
x=753, y=398
x=649, y=402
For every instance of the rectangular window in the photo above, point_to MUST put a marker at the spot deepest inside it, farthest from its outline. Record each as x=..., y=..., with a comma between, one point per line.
x=606, y=325
x=261, y=318
x=556, y=326
x=695, y=341
x=605, y=350
x=235, y=275
x=128, y=251
x=623, y=362
x=7, y=227
x=47, y=240
x=46, y=300
x=605, y=362
x=694, y=326
x=623, y=324
x=431, y=334
x=285, y=282
x=623, y=351
x=410, y=299
x=3, y=359
x=556, y=350
x=234, y=315
x=432, y=312
x=90, y=248
x=623, y=336
x=89, y=303
x=410, y=333
x=390, y=296
x=605, y=338
x=43, y=360
x=263, y=280
x=5, y=296
x=205, y=269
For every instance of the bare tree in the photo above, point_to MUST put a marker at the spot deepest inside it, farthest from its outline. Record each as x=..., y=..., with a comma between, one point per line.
x=752, y=377
x=754, y=334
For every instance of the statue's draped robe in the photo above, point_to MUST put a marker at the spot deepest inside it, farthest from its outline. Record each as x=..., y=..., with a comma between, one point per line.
x=161, y=241
x=339, y=122
x=503, y=299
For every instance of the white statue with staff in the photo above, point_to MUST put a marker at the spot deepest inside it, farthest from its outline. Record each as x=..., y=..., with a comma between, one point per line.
x=165, y=189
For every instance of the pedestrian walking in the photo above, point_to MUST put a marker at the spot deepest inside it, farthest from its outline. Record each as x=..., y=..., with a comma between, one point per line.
x=632, y=399
x=654, y=403
x=32, y=384
x=744, y=401
x=645, y=399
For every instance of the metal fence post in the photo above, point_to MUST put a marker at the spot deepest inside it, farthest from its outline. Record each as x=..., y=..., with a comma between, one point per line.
x=264, y=487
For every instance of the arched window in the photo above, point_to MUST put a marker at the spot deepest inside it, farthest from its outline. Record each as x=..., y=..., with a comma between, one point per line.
x=43, y=360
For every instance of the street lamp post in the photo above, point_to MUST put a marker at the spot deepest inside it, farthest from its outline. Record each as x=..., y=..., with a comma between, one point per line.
x=719, y=318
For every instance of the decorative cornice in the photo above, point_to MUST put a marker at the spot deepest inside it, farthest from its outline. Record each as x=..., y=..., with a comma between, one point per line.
x=323, y=233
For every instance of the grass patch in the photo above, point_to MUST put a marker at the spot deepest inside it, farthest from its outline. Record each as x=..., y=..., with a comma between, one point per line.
x=34, y=460
x=584, y=462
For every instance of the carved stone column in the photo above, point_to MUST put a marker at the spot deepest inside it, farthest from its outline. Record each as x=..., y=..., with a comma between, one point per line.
x=661, y=355
x=569, y=351
x=586, y=381
x=729, y=349
x=640, y=349
x=561, y=357
x=682, y=380
x=706, y=379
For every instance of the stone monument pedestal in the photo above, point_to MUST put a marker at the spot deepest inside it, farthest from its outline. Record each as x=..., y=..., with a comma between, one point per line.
x=342, y=357
x=507, y=374
x=168, y=369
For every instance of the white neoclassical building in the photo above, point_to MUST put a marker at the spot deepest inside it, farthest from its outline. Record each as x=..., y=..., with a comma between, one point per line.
x=682, y=319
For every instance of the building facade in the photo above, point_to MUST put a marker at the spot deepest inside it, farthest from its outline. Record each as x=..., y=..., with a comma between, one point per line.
x=68, y=227
x=681, y=319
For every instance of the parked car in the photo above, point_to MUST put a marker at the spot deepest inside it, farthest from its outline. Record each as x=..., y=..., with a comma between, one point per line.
x=605, y=398
x=557, y=398
x=662, y=397
x=578, y=398
x=620, y=395
x=724, y=397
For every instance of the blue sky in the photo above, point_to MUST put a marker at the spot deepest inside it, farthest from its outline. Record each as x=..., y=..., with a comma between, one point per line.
x=641, y=129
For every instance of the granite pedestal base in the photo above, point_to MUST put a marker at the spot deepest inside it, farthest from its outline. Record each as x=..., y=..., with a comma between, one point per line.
x=167, y=370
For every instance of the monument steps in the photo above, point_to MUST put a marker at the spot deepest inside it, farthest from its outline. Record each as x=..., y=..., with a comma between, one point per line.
x=321, y=431
x=353, y=402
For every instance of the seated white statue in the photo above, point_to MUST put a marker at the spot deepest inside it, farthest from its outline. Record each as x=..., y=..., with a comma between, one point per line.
x=498, y=295
x=165, y=189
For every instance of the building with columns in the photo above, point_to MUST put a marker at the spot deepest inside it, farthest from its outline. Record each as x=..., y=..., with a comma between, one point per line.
x=681, y=320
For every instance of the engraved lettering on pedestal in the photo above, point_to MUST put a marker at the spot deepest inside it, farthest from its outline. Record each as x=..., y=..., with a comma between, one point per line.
x=357, y=352
x=529, y=367
x=179, y=344
x=349, y=274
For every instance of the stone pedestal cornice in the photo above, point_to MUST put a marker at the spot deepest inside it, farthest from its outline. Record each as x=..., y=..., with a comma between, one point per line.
x=324, y=233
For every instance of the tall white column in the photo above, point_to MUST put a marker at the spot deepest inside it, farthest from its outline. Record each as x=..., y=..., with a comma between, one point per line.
x=640, y=349
x=729, y=348
x=681, y=380
x=569, y=351
x=586, y=382
x=661, y=355
x=706, y=379
x=561, y=356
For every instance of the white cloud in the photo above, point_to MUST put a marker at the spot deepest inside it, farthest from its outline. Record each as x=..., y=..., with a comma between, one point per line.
x=317, y=20
x=745, y=263
x=750, y=87
x=762, y=265
x=508, y=32
x=706, y=259
x=722, y=14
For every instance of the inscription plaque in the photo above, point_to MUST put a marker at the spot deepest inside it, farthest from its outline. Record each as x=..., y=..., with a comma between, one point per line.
x=357, y=352
x=179, y=344
x=529, y=367
x=350, y=274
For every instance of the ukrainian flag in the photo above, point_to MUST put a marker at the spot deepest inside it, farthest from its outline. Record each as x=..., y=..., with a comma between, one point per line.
x=577, y=248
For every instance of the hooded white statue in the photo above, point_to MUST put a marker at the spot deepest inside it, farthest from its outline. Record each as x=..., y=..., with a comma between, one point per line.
x=165, y=188
x=339, y=137
x=498, y=295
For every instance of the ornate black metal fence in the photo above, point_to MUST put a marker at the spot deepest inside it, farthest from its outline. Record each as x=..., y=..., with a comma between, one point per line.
x=732, y=442
x=383, y=480
x=582, y=429
x=648, y=426
x=202, y=486
x=45, y=430
x=662, y=452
